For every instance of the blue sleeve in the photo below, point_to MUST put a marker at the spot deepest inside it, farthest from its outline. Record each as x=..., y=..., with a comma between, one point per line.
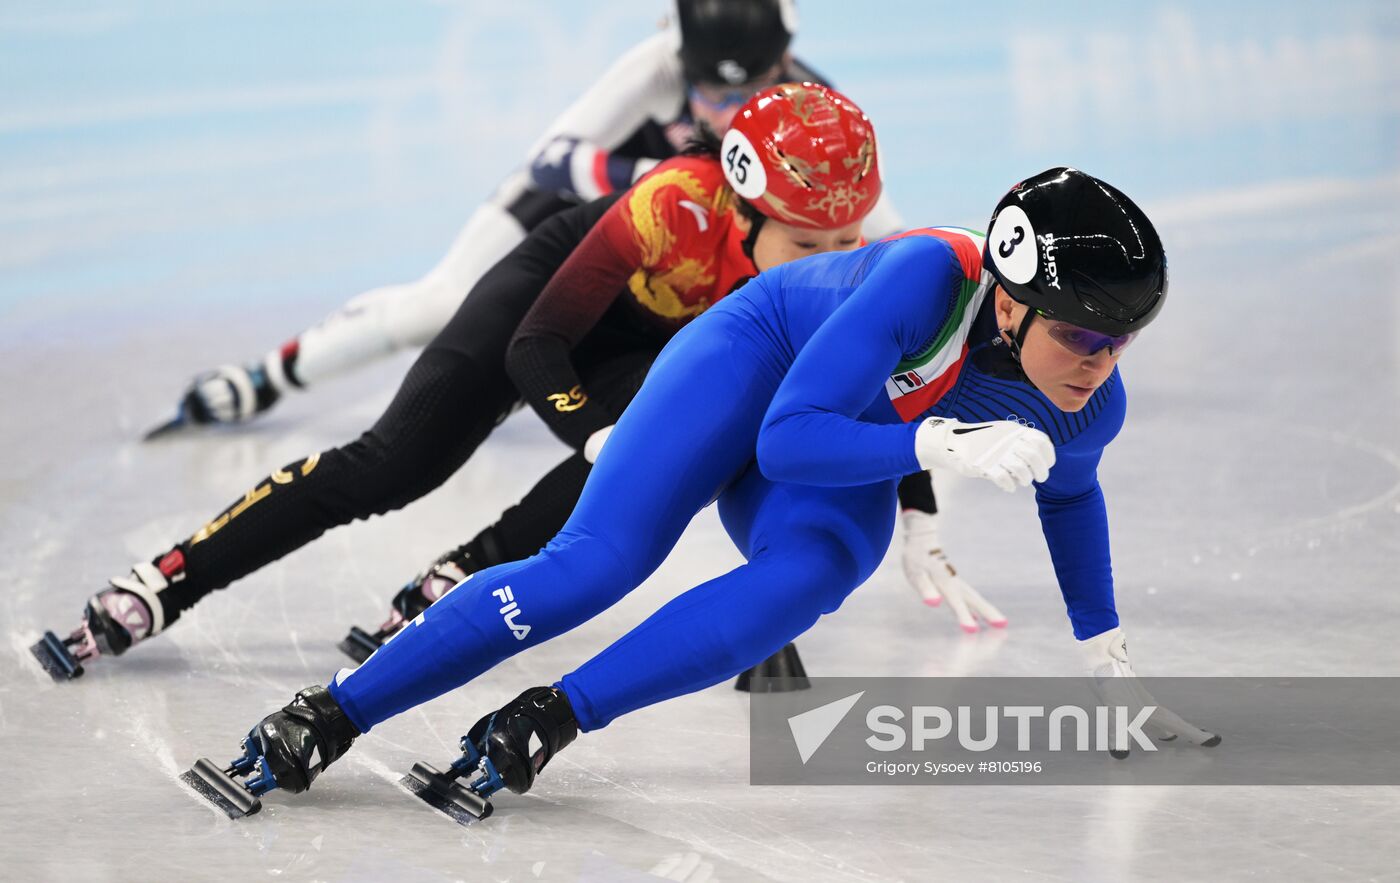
x=811, y=434
x=1074, y=520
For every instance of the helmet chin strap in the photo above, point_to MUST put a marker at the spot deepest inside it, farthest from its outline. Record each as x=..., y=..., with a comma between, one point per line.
x=755, y=225
x=1020, y=336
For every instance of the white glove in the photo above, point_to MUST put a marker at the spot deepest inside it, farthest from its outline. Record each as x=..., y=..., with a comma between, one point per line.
x=1003, y=452
x=929, y=572
x=1106, y=660
x=594, y=446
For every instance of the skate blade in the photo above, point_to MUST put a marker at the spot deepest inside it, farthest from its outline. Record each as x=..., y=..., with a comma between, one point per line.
x=448, y=796
x=55, y=659
x=209, y=781
x=169, y=426
x=359, y=645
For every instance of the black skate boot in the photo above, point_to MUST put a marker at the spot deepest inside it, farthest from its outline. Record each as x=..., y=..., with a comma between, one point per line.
x=287, y=750
x=507, y=748
x=417, y=595
x=115, y=619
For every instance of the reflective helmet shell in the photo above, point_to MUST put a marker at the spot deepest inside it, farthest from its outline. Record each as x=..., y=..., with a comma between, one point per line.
x=803, y=154
x=1077, y=250
x=731, y=42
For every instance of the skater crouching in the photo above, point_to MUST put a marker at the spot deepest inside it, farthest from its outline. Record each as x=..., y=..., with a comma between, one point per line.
x=825, y=380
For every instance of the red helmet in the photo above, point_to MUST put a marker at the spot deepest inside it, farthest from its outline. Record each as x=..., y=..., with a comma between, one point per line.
x=803, y=154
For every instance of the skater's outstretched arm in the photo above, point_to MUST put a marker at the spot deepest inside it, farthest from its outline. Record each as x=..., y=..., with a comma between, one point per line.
x=575, y=156
x=539, y=359
x=1074, y=519
x=813, y=433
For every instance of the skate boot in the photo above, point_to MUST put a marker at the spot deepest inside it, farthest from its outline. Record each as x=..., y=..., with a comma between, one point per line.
x=124, y=614
x=506, y=749
x=287, y=750
x=228, y=394
x=416, y=596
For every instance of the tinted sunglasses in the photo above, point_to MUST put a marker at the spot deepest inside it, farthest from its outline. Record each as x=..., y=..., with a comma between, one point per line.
x=1082, y=341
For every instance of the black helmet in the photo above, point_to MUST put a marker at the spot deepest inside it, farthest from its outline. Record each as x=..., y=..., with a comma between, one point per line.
x=731, y=42
x=1078, y=250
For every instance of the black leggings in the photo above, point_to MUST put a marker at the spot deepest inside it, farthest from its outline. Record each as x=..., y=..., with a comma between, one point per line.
x=455, y=394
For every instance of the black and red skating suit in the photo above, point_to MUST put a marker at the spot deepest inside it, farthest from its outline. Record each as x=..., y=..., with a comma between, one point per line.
x=658, y=258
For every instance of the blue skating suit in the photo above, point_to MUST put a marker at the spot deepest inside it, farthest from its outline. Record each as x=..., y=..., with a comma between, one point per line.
x=794, y=401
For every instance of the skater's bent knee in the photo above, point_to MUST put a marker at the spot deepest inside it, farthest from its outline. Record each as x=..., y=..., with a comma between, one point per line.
x=594, y=565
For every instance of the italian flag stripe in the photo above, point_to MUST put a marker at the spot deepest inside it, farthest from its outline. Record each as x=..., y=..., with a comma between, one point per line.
x=919, y=383
x=910, y=405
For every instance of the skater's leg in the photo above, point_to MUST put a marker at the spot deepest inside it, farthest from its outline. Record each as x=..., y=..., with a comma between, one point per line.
x=452, y=398
x=521, y=531
x=423, y=437
x=524, y=528
x=380, y=322
x=672, y=451
x=808, y=548
x=370, y=326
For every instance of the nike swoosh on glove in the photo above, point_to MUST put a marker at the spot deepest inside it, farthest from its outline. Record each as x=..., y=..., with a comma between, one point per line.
x=1002, y=451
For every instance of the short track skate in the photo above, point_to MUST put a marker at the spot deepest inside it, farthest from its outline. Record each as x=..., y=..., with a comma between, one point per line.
x=59, y=656
x=237, y=788
x=463, y=791
x=415, y=597
x=505, y=749
x=288, y=749
x=360, y=645
x=100, y=633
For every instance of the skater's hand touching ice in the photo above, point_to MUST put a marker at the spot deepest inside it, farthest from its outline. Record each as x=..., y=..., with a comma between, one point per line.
x=1002, y=451
x=1117, y=685
x=928, y=571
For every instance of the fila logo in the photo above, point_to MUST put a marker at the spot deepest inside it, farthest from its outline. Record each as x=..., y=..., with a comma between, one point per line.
x=908, y=381
x=510, y=611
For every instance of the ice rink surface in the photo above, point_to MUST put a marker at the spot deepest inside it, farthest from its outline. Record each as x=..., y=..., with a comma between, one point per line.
x=180, y=188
